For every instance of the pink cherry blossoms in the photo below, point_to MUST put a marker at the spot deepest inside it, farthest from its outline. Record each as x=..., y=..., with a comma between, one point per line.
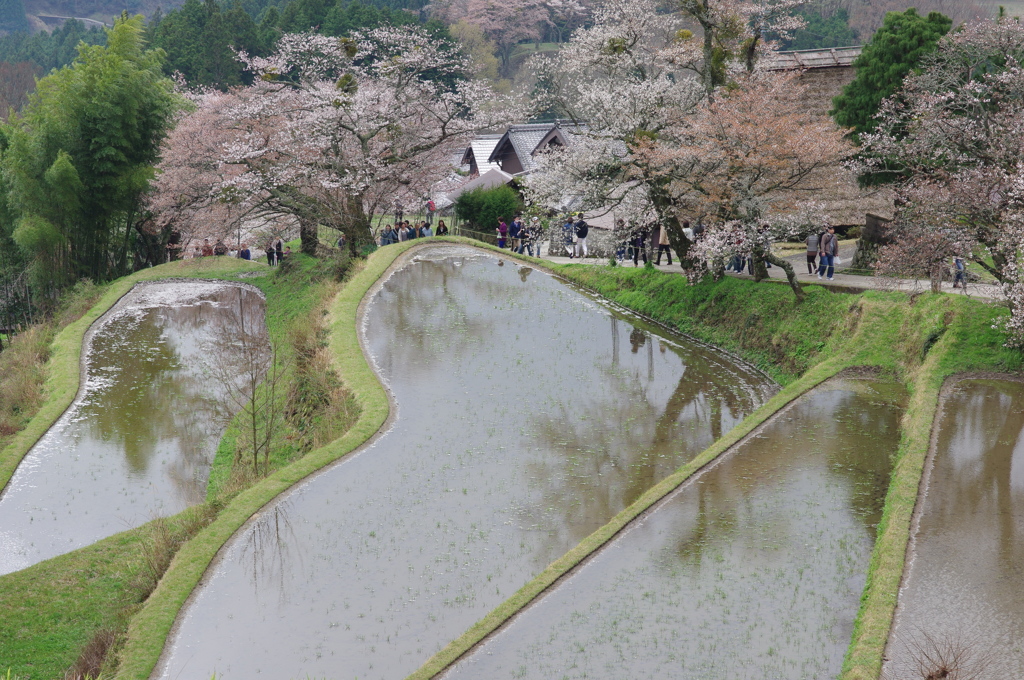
x=331, y=130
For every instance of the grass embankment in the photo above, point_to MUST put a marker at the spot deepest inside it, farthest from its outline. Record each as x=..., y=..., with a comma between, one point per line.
x=67, y=611
x=148, y=630
x=919, y=340
x=916, y=340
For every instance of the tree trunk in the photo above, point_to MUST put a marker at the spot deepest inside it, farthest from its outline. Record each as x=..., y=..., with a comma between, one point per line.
x=790, y=274
x=758, y=267
x=709, y=47
x=666, y=215
x=308, y=232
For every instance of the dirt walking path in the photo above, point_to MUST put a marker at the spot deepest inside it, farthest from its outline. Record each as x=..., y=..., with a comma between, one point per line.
x=841, y=281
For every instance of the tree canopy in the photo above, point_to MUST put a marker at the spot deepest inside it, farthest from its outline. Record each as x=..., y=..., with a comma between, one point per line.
x=81, y=156
x=895, y=50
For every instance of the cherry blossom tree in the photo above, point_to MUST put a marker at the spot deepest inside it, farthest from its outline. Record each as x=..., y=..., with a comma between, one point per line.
x=732, y=29
x=923, y=238
x=641, y=118
x=507, y=24
x=956, y=133
x=333, y=128
x=748, y=161
x=565, y=16
x=619, y=83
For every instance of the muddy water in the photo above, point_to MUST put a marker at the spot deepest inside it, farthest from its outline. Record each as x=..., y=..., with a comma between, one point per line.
x=527, y=415
x=138, y=441
x=753, y=569
x=963, y=589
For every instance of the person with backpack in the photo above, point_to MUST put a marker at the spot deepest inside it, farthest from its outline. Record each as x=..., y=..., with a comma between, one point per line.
x=431, y=209
x=582, y=229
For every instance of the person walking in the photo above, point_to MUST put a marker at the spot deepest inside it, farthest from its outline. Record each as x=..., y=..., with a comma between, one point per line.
x=271, y=254
x=581, y=229
x=567, y=236
x=828, y=248
x=638, y=244
x=812, y=252
x=535, y=231
x=403, y=233
x=502, y=231
x=514, y=233
x=663, y=244
x=431, y=209
x=279, y=249
x=959, y=272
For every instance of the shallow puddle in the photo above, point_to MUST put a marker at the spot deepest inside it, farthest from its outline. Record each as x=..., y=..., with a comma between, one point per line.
x=138, y=441
x=527, y=416
x=963, y=591
x=753, y=569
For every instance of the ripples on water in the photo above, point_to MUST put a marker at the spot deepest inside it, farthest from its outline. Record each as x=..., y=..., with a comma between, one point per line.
x=753, y=569
x=527, y=416
x=138, y=441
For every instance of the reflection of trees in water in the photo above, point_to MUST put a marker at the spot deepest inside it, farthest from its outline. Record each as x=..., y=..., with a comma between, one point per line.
x=269, y=551
x=597, y=466
x=155, y=390
x=981, y=431
x=425, y=310
x=840, y=432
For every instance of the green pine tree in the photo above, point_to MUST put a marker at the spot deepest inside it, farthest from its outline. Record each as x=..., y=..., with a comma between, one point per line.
x=12, y=16
x=894, y=51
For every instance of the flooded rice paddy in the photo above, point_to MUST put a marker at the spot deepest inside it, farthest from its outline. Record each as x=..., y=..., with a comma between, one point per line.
x=527, y=416
x=139, y=439
x=753, y=569
x=963, y=588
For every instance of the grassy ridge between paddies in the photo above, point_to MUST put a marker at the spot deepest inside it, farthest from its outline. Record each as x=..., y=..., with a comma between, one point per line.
x=54, y=610
x=51, y=610
x=901, y=336
x=148, y=630
x=962, y=339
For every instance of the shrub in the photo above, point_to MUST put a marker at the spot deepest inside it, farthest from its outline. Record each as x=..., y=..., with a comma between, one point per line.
x=482, y=208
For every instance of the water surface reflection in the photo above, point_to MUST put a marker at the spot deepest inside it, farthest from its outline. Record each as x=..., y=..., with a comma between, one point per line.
x=138, y=442
x=524, y=423
x=753, y=569
x=963, y=584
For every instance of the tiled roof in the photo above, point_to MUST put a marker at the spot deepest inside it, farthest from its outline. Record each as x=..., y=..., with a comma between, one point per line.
x=825, y=58
x=482, y=148
x=525, y=138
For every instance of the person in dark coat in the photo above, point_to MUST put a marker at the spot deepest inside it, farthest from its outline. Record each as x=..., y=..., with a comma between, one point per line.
x=638, y=243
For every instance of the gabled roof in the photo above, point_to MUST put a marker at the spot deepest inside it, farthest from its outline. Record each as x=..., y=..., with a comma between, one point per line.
x=527, y=139
x=487, y=180
x=806, y=59
x=481, y=148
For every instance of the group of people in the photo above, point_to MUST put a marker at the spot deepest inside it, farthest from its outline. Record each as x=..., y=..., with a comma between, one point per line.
x=520, y=236
x=823, y=247
x=275, y=249
x=633, y=241
x=406, y=232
